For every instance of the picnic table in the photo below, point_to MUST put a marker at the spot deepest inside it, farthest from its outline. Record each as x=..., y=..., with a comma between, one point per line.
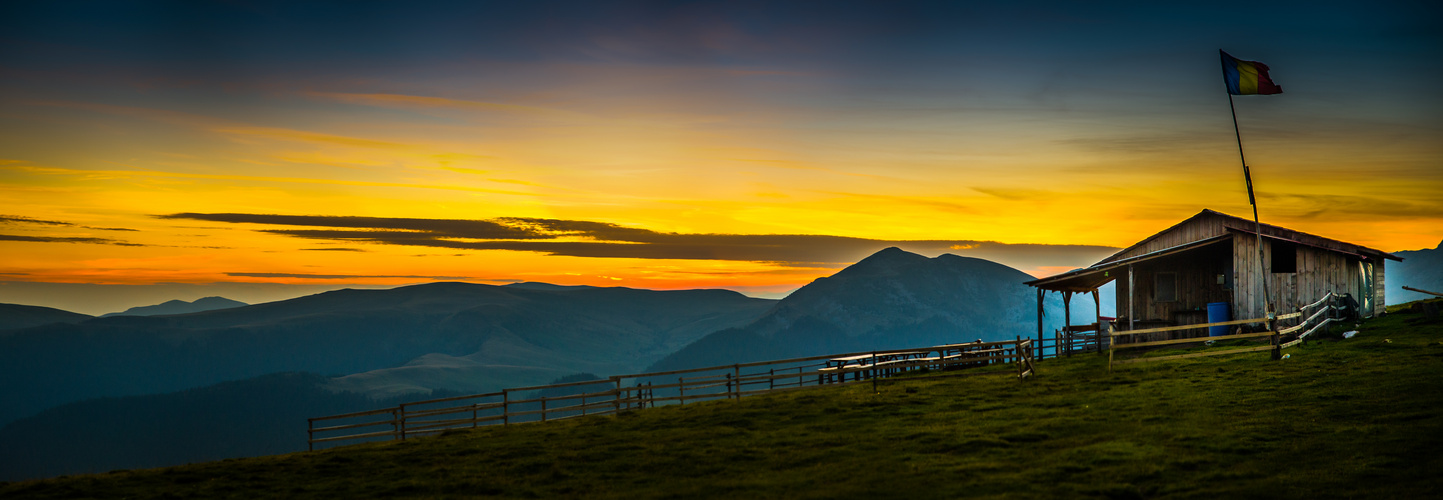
x=888, y=362
x=967, y=350
x=853, y=362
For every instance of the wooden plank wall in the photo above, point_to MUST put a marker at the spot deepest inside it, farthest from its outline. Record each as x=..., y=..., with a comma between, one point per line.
x=1248, y=291
x=1318, y=272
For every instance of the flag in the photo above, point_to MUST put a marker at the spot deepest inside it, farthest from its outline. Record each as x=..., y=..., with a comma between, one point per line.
x=1247, y=77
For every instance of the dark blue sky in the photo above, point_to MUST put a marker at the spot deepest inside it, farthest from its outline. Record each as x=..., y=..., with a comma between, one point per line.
x=1050, y=123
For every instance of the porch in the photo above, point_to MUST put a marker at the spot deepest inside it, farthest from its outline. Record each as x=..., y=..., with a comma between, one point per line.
x=1165, y=288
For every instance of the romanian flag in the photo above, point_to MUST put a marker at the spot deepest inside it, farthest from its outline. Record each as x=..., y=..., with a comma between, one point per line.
x=1247, y=77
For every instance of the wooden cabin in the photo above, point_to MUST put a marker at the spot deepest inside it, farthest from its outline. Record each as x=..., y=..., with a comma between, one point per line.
x=1170, y=278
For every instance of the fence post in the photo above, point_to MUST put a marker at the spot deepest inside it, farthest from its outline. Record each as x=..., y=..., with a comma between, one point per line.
x=1032, y=358
x=737, y=376
x=1017, y=353
x=1111, y=345
x=771, y=379
x=310, y=434
x=618, y=393
x=505, y=407
x=729, y=385
x=681, y=389
x=1277, y=346
x=875, y=373
x=401, y=417
x=396, y=426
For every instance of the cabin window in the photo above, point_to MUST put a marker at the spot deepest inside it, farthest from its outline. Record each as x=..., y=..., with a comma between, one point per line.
x=1166, y=289
x=1285, y=257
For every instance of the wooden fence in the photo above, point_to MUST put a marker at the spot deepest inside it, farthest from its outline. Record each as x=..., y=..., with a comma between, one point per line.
x=733, y=382
x=1079, y=339
x=630, y=392
x=1327, y=308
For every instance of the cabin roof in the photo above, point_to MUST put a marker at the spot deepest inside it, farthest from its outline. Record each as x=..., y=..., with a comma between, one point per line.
x=1239, y=224
x=1091, y=277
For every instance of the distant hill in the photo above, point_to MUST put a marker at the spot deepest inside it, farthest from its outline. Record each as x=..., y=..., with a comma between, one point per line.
x=533, y=285
x=416, y=339
x=1419, y=269
x=892, y=299
x=16, y=316
x=180, y=307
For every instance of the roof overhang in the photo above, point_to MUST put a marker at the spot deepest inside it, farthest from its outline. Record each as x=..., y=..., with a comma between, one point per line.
x=1089, y=279
x=1363, y=253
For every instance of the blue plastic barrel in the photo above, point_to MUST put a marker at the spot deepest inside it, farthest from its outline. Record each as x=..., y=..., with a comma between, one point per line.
x=1218, y=313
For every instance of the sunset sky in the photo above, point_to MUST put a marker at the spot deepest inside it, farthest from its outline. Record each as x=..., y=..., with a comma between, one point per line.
x=745, y=145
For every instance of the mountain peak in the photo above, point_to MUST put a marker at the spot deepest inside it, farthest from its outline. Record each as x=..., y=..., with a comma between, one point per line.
x=888, y=261
x=892, y=253
x=888, y=300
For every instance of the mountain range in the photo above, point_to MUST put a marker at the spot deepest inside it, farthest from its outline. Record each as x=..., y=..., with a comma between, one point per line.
x=180, y=307
x=1422, y=269
x=460, y=336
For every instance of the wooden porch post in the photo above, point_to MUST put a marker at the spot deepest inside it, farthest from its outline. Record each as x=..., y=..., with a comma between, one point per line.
x=1097, y=314
x=1067, y=318
x=1131, y=315
x=1039, y=319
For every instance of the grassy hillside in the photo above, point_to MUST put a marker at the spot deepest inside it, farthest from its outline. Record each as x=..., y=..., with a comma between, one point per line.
x=244, y=418
x=1346, y=418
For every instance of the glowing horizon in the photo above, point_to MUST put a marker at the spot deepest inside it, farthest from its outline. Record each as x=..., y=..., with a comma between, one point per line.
x=995, y=132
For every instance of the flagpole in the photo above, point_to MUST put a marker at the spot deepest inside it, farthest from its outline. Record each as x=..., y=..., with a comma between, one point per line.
x=1252, y=200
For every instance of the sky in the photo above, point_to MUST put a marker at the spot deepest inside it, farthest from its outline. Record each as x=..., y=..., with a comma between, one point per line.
x=270, y=149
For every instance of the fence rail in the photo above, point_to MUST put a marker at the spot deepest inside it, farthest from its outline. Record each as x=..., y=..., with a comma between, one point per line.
x=1328, y=309
x=643, y=390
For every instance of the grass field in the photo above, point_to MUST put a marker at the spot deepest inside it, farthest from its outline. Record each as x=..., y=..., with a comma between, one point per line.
x=1339, y=419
